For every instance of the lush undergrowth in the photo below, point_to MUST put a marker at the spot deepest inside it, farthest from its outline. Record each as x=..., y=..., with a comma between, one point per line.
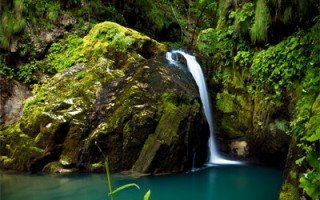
x=282, y=74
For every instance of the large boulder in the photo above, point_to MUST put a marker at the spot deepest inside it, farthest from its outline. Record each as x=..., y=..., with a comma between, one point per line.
x=122, y=101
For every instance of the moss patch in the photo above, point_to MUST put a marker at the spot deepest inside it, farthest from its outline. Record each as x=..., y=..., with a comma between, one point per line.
x=289, y=190
x=17, y=149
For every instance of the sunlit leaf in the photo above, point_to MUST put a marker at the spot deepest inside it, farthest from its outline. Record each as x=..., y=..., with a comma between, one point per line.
x=124, y=187
x=147, y=195
x=315, y=136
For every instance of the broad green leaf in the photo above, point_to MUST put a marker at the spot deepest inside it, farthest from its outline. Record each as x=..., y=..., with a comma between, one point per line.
x=147, y=195
x=124, y=187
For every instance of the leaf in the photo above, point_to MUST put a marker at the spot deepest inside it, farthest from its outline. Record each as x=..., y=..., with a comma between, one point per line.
x=312, y=159
x=147, y=195
x=315, y=136
x=123, y=187
x=300, y=160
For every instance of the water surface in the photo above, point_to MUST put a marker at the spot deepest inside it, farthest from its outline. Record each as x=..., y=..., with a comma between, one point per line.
x=214, y=183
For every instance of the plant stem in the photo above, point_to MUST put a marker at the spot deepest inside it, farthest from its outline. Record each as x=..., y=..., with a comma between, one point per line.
x=109, y=178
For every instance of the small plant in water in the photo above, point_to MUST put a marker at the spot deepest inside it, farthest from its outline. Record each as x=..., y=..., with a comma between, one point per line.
x=113, y=192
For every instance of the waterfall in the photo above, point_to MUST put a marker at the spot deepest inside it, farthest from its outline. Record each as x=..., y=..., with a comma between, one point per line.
x=196, y=71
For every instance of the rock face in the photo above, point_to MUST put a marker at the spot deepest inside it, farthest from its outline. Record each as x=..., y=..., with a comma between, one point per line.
x=262, y=127
x=12, y=96
x=122, y=101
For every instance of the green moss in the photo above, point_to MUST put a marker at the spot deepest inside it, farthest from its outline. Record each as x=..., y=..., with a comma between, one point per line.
x=289, y=190
x=52, y=167
x=6, y=161
x=66, y=53
x=97, y=167
x=172, y=113
x=262, y=21
x=65, y=160
x=207, y=40
x=230, y=127
x=147, y=154
x=107, y=38
x=225, y=102
x=19, y=148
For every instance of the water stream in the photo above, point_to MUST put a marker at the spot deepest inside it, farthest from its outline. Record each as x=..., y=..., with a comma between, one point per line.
x=196, y=71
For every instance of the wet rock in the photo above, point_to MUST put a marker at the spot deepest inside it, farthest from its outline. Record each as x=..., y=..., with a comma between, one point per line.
x=122, y=101
x=239, y=148
x=13, y=94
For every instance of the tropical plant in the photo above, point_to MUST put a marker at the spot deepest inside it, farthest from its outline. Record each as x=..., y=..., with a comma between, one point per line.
x=112, y=191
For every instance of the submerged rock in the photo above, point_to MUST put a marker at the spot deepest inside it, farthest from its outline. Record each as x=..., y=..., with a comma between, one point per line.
x=122, y=100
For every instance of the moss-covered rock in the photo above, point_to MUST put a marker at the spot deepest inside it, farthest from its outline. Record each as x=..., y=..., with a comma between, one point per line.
x=166, y=135
x=140, y=120
x=18, y=150
x=290, y=187
x=117, y=96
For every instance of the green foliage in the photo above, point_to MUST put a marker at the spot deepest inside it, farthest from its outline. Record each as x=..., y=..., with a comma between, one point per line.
x=306, y=124
x=123, y=187
x=25, y=72
x=80, y=75
x=12, y=21
x=207, y=40
x=268, y=18
x=289, y=191
x=148, y=14
x=65, y=53
x=287, y=70
x=18, y=13
x=280, y=66
x=6, y=71
x=244, y=58
x=225, y=48
x=222, y=7
x=242, y=17
x=262, y=21
x=147, y=195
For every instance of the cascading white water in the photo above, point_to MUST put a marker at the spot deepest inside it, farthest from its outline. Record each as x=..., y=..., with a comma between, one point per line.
x=196, y=71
